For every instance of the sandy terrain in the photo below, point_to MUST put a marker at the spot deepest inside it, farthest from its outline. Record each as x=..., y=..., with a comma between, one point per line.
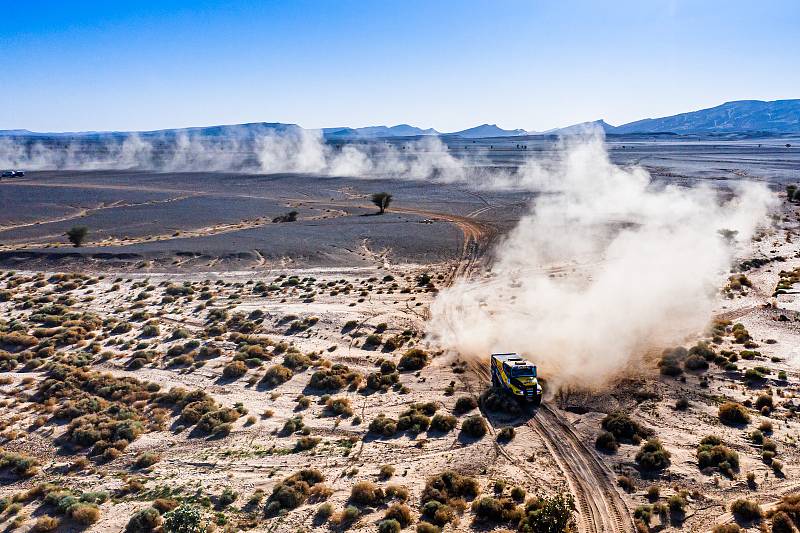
x=137, y=382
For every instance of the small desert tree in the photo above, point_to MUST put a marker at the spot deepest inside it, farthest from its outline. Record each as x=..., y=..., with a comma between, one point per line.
x=382, y=200
x=77, y=235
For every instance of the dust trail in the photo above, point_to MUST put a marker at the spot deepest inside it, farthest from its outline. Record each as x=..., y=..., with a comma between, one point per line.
x=268, y=151
x=605, y=265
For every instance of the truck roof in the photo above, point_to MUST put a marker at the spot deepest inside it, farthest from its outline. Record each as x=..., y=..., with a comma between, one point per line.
x=511, y=359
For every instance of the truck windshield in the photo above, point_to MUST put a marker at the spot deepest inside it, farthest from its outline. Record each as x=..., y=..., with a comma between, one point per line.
x=524, y=371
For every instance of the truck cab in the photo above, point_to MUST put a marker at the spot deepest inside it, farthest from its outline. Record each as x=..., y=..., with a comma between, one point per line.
x=517, y=376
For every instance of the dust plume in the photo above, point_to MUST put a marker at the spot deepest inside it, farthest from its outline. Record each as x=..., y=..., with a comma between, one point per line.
x=263, y=151
x=605, y=265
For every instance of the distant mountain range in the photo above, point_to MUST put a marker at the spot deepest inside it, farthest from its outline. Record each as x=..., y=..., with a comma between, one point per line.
x=743, y=116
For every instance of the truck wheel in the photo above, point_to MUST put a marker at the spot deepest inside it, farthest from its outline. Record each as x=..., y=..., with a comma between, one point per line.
x=537, y=401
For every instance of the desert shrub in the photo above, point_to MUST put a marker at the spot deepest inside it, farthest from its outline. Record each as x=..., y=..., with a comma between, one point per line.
x=292, y=491
x=695, y=362
x=474, y=426
x=334, y=378
x=682, y=404
x=306, y=443
x=338, y=407
x=366, y=493
x=652, y=455
x=670, y=363
x=465, y=404
x=677, y=503
x=416, y=418
x=711, y=453
x=782, y=523
x=320, y=492
x=183, y=519
x=399, y=512
x=732, y=413
x=46, y=523
x=764, y=400
x=497, y=401
x=744, y=509
x=444, y=495
x=606, y=442
x=427, y=527
x=397, y=492
x=413, y=359
x=389, y=526
x=164, y=505
x=85, y=513
x=146, y=459
x=324, y=511
x=386, y=471
x=554, y=514
x=653, y=492
x=227, y=497
x=218, y=421
x=20, y=465
x=234, y=369
x=276, y=375
x=383, y=425
x=626, y=483
x=443, y=423
x=380, y=381
x=726, y=528
x=753, y=375
x=624, y=428
x=495, y=509
x=144, y=521
x=506, y=434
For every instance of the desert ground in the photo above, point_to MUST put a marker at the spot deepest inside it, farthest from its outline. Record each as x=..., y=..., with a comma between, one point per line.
x=276, y=376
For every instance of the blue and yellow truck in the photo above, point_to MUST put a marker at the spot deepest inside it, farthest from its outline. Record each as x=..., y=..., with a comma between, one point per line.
x=517, y=376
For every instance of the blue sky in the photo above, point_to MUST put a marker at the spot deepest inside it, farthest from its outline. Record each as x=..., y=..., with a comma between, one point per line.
x=119, y=65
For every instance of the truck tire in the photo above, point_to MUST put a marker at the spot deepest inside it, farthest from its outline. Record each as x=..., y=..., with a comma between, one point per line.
x=537, y=401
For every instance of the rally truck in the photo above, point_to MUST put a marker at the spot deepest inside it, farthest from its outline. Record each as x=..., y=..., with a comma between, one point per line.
x=517, y=376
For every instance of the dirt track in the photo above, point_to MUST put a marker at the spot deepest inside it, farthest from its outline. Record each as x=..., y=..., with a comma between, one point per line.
x=599, y=504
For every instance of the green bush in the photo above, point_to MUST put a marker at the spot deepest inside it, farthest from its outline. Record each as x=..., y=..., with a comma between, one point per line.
x=554, y=514
x=383, y=425
x=183, y=519
x=652, y=455
x=711, y=453
x=389, y=526
x=496, y=510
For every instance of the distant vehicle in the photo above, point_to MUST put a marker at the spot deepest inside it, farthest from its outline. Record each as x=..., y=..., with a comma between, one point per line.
x=517, y=376
x=13, y=173
x=19, y=173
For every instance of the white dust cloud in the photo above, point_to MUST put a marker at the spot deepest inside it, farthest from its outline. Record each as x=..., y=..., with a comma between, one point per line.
x=268, y=151
x=605, y=266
